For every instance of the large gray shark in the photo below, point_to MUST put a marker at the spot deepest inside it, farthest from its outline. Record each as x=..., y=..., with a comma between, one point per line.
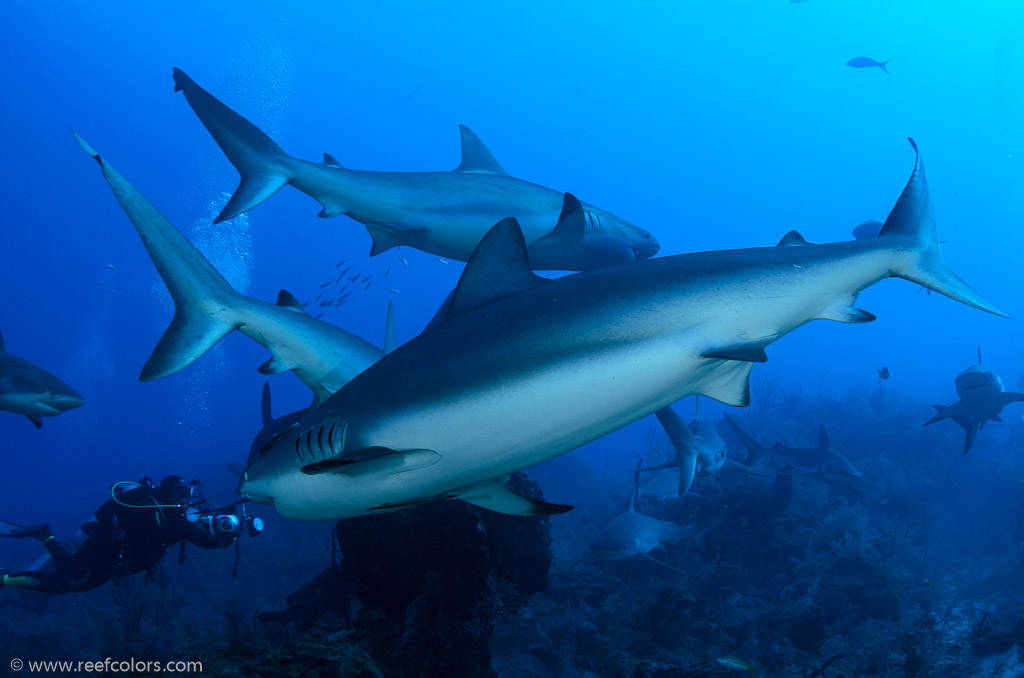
x=524, y=369
x=633, y=534
x=821, y=460
x=444, y=213
x=207, y=308
x=26, y=388
x=982, y=399
x=699, y=448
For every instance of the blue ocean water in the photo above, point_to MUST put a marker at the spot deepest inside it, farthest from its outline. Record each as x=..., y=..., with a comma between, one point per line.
x=713, y=125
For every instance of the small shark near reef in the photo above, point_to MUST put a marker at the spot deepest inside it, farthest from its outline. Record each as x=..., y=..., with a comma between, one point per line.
x=982, y=398
x=820, y=460
x=207, y=308
x=444, y=213
x=699, y=448
x=484, y=391
x=633, y=534
x=26, y=388
x=867, y=62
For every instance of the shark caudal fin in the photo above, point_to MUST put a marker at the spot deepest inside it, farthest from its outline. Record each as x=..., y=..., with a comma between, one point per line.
x=262, y=164
x=913, y=220
x=194, y=284
x=754, y=448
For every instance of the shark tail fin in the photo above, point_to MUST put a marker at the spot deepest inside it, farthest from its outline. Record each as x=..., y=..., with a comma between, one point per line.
x=882, y=64
x=194, y=284
x=191, y=333
x=264, y=167
x=754, y=448
x=912, y=220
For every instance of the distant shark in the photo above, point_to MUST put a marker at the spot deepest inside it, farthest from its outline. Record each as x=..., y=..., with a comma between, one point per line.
x=444, y=213
x=523, y=369
x=207, y=308
x=982, y=398
x=699, y=448
x=633, y=534
x=26, y=388
x=821, y=460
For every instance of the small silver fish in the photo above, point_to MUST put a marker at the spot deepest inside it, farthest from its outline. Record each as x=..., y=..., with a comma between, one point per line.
x=404, y=262
x=440, y=260
x=392, y=290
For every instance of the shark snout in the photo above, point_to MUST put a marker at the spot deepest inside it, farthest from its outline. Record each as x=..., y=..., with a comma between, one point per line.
x=646, y=246
x=63, y=402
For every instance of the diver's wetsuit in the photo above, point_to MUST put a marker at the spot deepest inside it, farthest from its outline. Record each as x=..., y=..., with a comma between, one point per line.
x=129, y=534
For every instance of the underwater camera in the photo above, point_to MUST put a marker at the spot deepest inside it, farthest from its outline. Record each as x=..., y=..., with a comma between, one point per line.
x=218, y=521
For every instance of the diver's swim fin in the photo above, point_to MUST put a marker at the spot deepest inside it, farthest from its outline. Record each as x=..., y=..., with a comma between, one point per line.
x=19, y=532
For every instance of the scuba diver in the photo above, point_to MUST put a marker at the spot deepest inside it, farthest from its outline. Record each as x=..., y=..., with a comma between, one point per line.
x=128, y=534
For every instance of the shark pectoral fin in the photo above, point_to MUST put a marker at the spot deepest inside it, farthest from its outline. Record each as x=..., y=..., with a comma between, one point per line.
x=35, y=419
x=192, y=333
x=751, y=351
x=498, y=496
x=791, y=239
x=571, y=226
x=1007, y=397
x=476, y=157
x=687, y=470
x=735, y=466
x=659, y=467
x=286, y=299
x=275, y=366
x=971, y=433
x=375, y=460
x=499, y=267
x=331, y=161
x=844, y=313
x=683, y=442
x=729, y=383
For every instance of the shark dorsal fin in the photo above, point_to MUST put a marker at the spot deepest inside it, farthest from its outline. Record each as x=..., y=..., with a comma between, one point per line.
x=265, y=414
x=286, y=299
x=792, y=238
x=498, y=267
x=389, y=329
x=476, y=157
x=2, y=349
x=331, y=161
x=823, y=442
